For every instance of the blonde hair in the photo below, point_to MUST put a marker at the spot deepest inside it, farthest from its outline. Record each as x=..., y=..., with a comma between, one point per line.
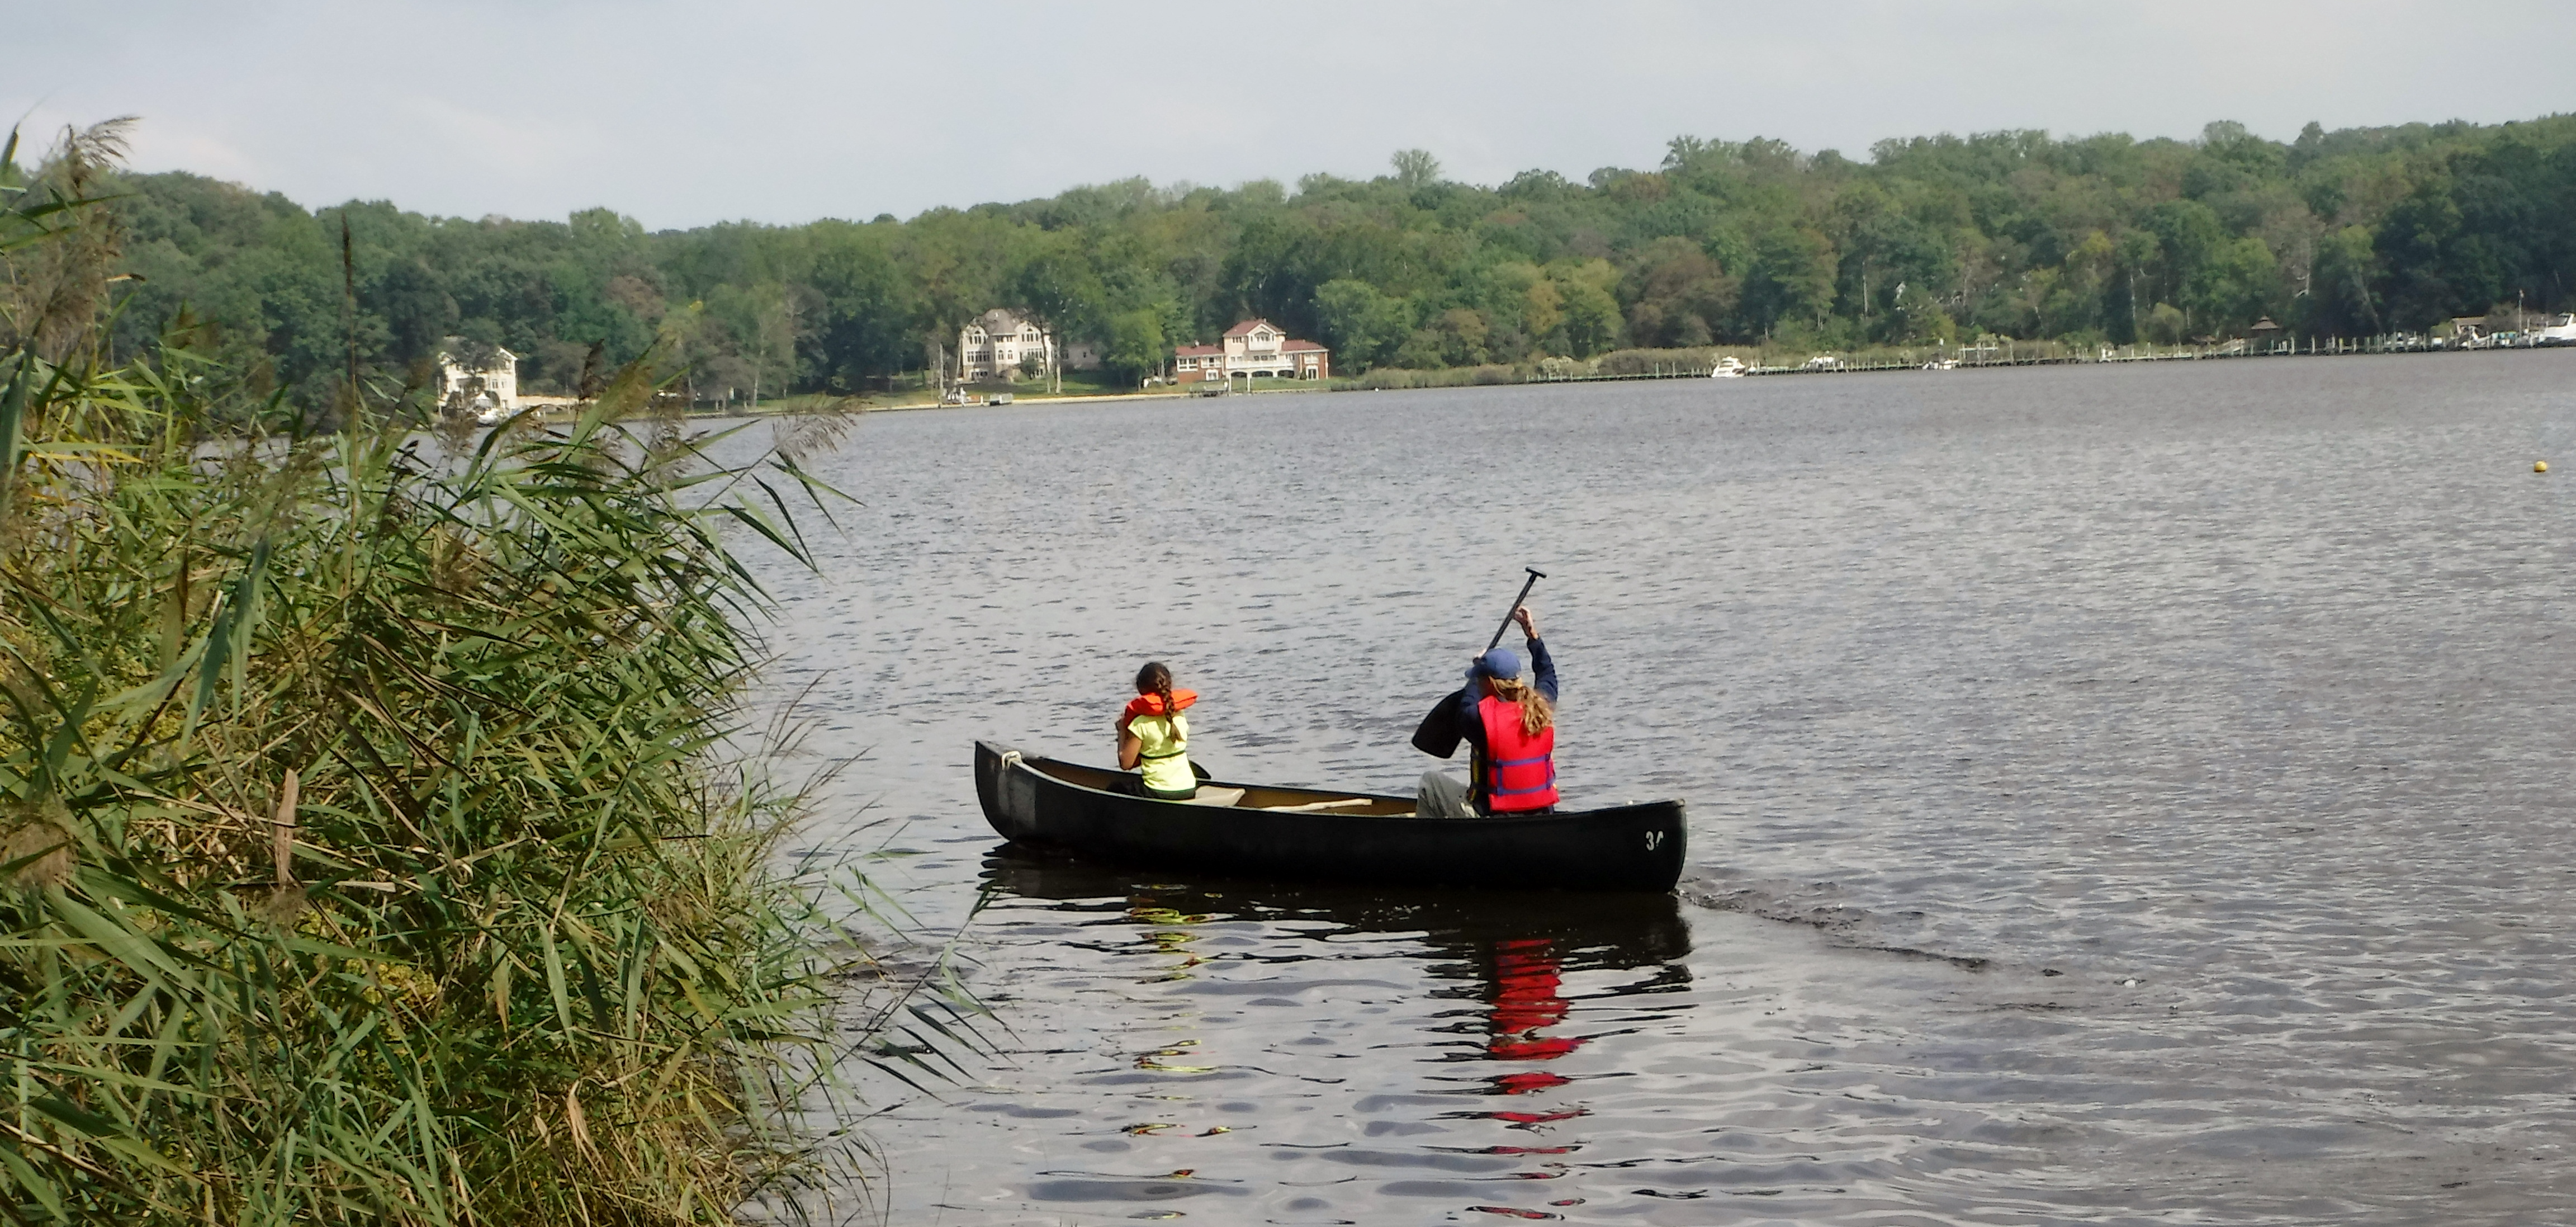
x=1536, y=712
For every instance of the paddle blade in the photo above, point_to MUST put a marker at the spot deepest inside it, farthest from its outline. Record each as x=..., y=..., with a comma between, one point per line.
x=1438, y=734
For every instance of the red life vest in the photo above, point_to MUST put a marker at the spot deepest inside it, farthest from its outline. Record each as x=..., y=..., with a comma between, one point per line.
x=1520, y=771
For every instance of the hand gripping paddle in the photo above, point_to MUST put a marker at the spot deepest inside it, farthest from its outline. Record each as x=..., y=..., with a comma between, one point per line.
x=1438, y=734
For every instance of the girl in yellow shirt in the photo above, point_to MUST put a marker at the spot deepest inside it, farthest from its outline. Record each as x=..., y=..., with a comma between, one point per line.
x=1154, y=737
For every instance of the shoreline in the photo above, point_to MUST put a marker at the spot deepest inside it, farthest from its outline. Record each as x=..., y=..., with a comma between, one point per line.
x=1306, y=387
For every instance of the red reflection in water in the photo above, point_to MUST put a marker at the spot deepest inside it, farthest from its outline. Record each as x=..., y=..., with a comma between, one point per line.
x=1532, y=1049
x=1527, y=1001
x=1522, y=1084
x=1525, y=984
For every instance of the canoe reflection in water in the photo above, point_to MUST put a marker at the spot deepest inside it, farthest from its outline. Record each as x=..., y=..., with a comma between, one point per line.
x=1513, y=1018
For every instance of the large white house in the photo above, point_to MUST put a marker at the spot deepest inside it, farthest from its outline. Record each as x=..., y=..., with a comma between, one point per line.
x=488, y=390
x=994, y=344
x=1252, y=348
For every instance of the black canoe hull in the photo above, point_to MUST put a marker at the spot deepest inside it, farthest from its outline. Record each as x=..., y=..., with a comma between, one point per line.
x=1038, y=802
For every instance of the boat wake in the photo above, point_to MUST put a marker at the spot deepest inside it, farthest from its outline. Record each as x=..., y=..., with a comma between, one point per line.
x=1814, y=905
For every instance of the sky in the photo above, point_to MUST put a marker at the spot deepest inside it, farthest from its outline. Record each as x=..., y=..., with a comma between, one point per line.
x=681, y=114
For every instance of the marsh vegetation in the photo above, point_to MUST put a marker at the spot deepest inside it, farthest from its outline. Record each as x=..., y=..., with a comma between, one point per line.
x=373, y=854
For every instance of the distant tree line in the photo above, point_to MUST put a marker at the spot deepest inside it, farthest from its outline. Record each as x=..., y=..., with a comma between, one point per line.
x=2092, y=239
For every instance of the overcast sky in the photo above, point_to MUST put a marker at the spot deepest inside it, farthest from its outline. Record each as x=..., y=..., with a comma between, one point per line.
x=786, y=110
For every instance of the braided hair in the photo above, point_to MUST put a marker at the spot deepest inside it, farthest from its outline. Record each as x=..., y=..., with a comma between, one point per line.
x=1156, y=679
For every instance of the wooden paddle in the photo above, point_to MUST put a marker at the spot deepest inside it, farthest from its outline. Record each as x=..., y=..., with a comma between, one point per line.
x=1438, y=734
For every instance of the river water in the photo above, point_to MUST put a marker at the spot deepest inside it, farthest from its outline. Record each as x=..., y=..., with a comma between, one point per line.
x=2117, y=795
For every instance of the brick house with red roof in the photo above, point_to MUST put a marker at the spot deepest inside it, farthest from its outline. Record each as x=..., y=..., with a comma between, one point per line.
x=1253, y=348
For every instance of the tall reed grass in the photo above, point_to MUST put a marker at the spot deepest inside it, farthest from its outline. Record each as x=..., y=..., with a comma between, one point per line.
x=365, y=856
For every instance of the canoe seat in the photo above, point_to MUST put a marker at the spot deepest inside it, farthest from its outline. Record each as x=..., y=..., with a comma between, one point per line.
x=1217, y=796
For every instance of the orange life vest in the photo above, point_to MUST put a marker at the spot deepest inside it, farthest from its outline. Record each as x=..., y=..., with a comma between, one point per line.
x=1520, y=769
x=1152, y=704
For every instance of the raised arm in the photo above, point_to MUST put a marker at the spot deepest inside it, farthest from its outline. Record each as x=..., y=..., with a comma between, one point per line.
x=1541, y=664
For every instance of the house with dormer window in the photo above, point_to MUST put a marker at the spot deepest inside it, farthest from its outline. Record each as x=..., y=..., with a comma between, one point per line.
x=995, y=344
x=1252, y=349
x=479, y=380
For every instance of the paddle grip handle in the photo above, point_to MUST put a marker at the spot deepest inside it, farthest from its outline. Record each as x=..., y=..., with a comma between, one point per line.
x=1535, y=575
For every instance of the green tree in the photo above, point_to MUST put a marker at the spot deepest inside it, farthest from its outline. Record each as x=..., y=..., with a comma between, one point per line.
x=1415, y=168
x=1792, y=278
x=781, y=319
x=1361, y=325
x=2341, y=287
x=2239, y=282
x=2166, y=325
x=1919, y=317
x=1678, y=295
x=1057, y=285
x=2188, y=239
x=1137, y=345
x=1590, y=321
x=864, y=324
x=2072, y=302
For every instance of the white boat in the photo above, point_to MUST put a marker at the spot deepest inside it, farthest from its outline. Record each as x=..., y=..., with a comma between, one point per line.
x=2560, y=331
x=1727, y=368
x=1942, y=364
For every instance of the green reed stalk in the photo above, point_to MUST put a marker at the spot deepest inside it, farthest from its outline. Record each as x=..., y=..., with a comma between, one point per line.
x=364, y=852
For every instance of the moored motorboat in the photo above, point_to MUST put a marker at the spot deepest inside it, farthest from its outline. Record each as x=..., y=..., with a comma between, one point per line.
x=1300, y=834
x=1728, y=367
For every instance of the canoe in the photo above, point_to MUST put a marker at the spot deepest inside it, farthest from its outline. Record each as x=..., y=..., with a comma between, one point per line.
x=1272, y=833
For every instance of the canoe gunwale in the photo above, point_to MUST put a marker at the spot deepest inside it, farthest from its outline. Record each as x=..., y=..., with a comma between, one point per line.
x=1617, y=848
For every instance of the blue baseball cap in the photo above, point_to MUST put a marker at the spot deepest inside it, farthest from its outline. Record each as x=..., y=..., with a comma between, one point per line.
x=1500, y=662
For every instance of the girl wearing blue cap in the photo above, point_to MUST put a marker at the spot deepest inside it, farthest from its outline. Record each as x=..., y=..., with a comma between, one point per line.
x=1511, y=724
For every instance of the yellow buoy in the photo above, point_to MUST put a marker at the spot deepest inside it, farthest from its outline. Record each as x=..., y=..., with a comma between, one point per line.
x=2539, y=466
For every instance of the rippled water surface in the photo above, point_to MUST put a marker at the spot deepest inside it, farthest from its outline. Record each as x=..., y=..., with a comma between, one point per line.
x=2116, y=795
